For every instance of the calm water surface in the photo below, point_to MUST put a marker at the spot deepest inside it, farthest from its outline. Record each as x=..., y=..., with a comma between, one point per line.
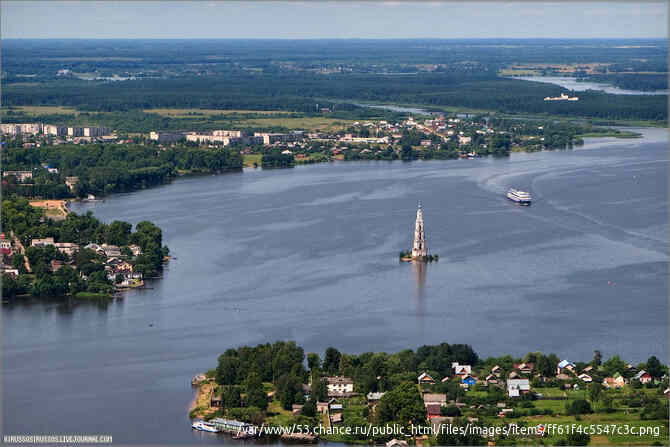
x=310, y=254
x=580, y=86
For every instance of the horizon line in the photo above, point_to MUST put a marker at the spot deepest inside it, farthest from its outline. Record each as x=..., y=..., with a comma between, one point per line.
x=334, y=38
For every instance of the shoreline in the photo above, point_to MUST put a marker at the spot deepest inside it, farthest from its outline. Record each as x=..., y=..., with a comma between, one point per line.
x=251, y=168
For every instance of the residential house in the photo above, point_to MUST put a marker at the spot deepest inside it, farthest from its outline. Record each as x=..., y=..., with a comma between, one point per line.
x=71, y=181
x=56, y=265
x=5, y=245
x=516, y=387
x=491, y=379
x=21, y=176
x=617, y=381
x=336, y=418
x=461, y=370
x=468, y=381
x=563, y=376
x=322, y=407
x=111, y=251
x=297, y=409
x=373, y=398
x=396, y=443
x=585, y=378
x=643, y=376
x=433, y=411
x=496, y=370
x=68, y=248
x=524, y=368
x=425, y=379
x=339, y=385
x=565, y=367
x=588, y=368
x=42, y=242
x=513, y=375
x=434, y=399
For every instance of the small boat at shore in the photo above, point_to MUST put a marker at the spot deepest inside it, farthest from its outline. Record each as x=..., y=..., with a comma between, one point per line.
x=204, y=426
x=520, y=197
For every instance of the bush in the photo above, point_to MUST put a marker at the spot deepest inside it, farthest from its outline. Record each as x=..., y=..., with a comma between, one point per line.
x=577, y=407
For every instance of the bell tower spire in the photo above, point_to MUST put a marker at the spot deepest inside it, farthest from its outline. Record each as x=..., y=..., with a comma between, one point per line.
x=419, y=247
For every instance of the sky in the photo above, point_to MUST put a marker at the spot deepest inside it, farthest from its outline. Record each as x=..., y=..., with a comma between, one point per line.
x=332, y=19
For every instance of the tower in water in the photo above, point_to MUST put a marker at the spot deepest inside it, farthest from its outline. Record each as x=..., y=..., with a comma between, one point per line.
x=419, y=247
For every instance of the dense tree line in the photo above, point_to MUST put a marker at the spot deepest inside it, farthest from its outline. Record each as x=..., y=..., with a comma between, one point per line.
x=107, y=168
x=301, y=92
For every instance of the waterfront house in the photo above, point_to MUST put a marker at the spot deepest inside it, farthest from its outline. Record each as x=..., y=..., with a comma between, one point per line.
x=339, y=386
x=434, y=399
x=516, y=387
x=425, y=379
x=564, y=367
x=643, y=376
x=216, y=401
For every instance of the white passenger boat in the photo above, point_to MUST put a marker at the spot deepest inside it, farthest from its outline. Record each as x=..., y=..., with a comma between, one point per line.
x=204, y=426
x=518, y=196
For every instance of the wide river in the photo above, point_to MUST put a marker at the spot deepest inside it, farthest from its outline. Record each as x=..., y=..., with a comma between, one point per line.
x=311, y=254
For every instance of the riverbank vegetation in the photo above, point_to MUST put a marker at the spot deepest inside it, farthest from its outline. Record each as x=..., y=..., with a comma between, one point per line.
x=78, y=256
x=276, y=384
x=108, y=168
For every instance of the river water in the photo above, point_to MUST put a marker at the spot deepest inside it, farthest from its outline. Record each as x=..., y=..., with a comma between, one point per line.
x=580, y=86
x=311, y=254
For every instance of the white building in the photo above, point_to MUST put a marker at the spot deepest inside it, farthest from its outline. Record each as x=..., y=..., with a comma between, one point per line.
x=339, y=385
x=516, y=387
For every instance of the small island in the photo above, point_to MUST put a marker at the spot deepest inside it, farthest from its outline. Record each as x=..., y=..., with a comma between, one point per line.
x=419, y=251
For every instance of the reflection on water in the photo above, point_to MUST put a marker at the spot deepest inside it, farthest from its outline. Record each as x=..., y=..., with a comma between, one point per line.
x=419, y=269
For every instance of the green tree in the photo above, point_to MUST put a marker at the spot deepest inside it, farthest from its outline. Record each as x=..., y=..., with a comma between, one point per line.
x=313, y=361
x=403, y=405
x=231, y=397
x=331, y=361
x=655, y=367
x=256, y=396
x=595, y=389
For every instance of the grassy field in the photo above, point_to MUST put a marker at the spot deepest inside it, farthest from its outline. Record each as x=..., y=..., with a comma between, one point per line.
x=305, y=123
x=190, y=113
x=43, y=110
x=250, y=159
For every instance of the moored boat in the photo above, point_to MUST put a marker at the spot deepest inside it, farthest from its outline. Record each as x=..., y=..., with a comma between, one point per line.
x=204, y=426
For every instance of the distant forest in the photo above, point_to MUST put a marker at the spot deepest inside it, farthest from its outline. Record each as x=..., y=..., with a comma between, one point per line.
x=301, y=75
